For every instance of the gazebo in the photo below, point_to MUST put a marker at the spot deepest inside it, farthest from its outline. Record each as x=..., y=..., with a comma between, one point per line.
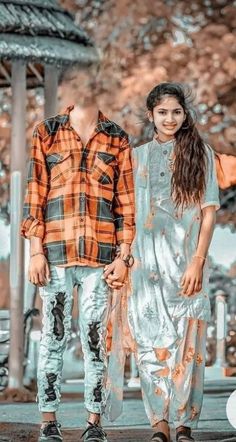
x=37, y=39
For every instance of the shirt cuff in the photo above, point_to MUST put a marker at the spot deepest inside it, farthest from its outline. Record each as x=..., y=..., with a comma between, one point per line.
x=125, y=236
x=32, y=227
x=211, y=203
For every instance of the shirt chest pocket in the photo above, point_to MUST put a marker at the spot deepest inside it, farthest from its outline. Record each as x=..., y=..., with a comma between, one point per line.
x=59, y=166
x=103, y=168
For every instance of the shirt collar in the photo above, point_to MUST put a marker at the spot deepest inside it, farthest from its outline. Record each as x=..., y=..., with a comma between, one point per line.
x=102, y=124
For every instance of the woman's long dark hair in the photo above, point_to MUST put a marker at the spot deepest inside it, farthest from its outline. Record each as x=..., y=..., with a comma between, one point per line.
x=190, y=159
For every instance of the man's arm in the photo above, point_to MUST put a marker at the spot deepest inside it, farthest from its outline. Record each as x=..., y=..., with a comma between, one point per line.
x=38, y=272
x=36, y=192
x=123, y=201
x=33, y=226
x=124, y=215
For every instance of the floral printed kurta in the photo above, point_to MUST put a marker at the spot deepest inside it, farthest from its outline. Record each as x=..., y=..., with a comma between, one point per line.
x=164, y=245
x=159, y=316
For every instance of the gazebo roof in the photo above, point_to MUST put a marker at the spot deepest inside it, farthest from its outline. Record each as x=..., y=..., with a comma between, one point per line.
x=40, y=31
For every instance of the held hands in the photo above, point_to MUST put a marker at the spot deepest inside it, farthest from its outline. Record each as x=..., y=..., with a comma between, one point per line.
x=115, y=274
x=39, y=273
x=191, y=281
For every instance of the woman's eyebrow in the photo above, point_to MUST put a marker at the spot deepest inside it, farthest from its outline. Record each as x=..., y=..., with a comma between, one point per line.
x=163, y=109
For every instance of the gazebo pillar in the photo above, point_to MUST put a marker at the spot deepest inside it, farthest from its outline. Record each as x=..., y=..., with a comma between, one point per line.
x=50, y=90
x=18, y=162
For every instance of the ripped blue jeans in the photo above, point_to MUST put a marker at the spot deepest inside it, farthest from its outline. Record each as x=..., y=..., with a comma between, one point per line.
x=94, y=307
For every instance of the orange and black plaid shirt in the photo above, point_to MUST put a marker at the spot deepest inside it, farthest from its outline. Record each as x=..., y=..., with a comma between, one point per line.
x=79, y=199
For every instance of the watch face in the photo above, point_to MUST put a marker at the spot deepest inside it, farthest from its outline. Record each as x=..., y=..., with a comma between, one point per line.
x=130, y=260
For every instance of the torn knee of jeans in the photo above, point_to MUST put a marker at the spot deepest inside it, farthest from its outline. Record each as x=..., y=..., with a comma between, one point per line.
x=162, y=353
x=98, y=392
x=50, y=391
x=58, y=314
x=94, y=340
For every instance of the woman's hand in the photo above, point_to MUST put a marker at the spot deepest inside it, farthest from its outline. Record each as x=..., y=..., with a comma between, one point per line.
x=191, y=281
x=39, y=273
x=115, y=274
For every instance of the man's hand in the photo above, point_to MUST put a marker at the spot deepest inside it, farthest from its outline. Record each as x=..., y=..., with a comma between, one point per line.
x=191, y=281
x=115, y=274
x=39, y=270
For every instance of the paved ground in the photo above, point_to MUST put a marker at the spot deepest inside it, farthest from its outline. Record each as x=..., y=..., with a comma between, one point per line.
x=19, y=422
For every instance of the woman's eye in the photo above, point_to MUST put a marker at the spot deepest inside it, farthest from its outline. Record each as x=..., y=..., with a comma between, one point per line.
x=178, y=112
x=162, y=112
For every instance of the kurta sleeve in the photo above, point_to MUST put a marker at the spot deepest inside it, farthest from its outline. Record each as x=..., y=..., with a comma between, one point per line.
x=211, y=196
x=36, y=192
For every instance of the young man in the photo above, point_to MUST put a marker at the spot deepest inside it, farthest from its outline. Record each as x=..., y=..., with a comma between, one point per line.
x=79, y=207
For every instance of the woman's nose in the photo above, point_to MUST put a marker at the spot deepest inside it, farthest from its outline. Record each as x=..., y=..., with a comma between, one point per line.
x=170, y=118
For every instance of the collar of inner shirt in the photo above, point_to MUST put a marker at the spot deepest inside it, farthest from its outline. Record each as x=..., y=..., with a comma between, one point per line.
x=103, y=123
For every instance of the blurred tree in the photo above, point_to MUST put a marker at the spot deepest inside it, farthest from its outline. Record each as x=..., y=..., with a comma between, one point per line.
x=144, y=43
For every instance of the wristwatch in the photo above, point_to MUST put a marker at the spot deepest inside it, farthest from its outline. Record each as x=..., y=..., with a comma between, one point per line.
x=128, y=260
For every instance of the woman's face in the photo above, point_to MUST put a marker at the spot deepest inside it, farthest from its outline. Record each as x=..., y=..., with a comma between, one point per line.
x=168, y=117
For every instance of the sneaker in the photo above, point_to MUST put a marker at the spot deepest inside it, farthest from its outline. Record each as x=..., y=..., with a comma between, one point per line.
x=184, y=435
x=94, y=433
x=50, y=432
x=159, y=437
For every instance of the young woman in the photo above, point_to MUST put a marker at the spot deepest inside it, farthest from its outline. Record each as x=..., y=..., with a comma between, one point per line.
x=176, y=200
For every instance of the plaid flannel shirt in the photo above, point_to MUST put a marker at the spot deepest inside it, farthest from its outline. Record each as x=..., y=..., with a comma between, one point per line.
x=79, y=199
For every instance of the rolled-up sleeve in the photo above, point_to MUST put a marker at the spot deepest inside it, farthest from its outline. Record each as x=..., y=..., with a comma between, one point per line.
x=123, y=201
x=211, y=195
x=36, y=192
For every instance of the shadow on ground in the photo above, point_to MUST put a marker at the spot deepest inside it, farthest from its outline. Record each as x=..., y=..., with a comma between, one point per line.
x=10, y=432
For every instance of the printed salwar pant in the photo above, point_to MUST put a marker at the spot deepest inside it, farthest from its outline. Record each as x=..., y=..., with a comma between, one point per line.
x=172, y=378
x=94, y=306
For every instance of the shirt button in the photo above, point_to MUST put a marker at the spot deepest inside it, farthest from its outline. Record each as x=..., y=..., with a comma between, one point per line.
x=81, y=220
x=162, y=173
x=82, y=180
x=82, y=198
x=165, y=152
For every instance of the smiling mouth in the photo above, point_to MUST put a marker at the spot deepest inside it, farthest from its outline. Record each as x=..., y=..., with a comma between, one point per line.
x=169, y=126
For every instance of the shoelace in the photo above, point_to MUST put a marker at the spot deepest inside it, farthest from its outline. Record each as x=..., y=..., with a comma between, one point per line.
x=52, y=426
x=95, y=429
x=186, y=432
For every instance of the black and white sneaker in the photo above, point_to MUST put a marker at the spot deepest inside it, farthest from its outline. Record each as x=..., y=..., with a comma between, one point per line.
x=94, y=433
x=159, y=437
x=184, y=435
x=50, y=432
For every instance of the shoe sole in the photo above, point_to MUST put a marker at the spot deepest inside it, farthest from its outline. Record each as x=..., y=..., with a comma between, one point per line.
x=153, y=440
x=95, y=440
x=49, y=439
